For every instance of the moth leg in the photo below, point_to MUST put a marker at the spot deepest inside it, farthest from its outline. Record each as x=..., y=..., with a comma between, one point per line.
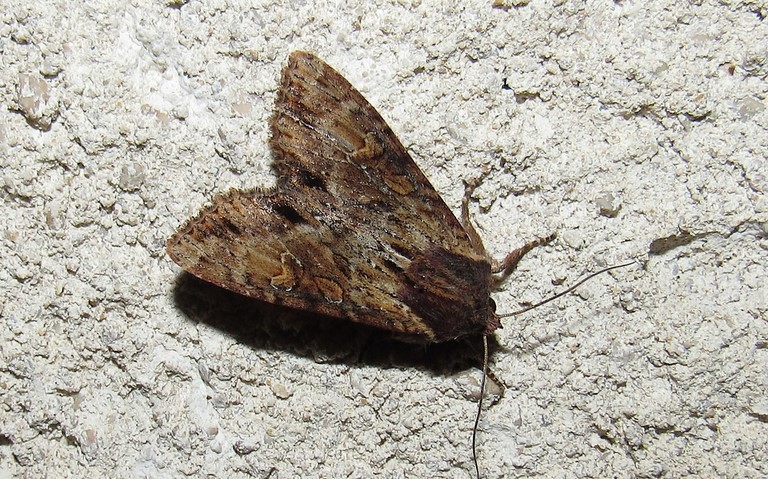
x=506, y=266
x=474, y=238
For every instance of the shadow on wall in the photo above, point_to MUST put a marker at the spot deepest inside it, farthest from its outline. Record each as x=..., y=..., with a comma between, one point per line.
x=266, y=326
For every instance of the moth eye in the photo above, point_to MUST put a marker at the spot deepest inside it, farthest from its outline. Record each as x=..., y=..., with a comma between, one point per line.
x=492, y=304
x=289, y=213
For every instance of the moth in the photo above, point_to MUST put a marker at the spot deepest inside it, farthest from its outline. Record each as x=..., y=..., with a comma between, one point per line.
x=353, y=228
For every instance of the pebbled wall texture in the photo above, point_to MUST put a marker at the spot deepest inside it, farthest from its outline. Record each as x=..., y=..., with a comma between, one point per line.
x=636, y=130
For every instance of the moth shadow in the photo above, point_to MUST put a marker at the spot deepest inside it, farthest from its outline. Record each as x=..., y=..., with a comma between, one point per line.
x=266, y=326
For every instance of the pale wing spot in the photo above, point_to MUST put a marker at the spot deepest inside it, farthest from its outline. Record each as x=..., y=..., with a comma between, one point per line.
x=330, y=289
x=290, y=274
x=399, y=184
x=372, y=149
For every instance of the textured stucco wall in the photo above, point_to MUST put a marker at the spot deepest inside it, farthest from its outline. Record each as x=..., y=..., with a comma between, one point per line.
x=120, y=119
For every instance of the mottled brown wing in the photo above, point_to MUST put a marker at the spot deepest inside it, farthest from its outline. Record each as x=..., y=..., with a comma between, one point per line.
x=353, y=229
x=326, y=137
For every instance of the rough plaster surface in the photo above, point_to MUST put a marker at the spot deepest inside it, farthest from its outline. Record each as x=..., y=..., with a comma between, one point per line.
x=637, y=130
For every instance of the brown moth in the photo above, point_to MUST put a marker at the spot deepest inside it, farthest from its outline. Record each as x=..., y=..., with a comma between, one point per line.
x=353, y=228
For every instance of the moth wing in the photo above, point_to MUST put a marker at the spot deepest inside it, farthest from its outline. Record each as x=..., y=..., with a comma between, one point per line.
x=267, y=245
x=353, y=229
x=327, y=138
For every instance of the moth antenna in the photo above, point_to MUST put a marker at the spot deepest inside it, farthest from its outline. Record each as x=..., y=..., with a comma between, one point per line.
x=570, y=289
x=480, y=405
x=485, y=351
